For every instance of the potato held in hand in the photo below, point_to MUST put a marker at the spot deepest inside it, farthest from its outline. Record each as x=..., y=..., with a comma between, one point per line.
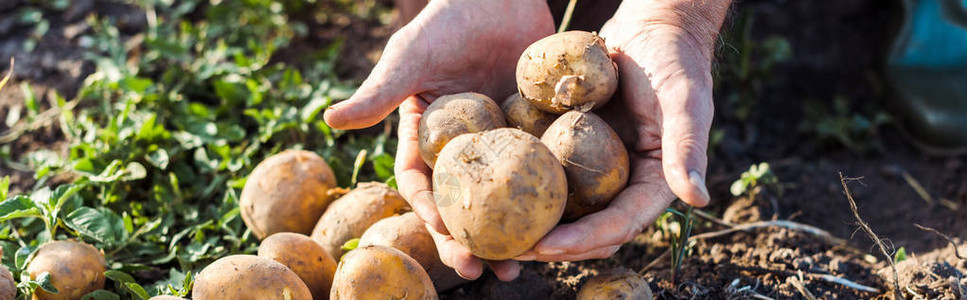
x=499, y=192
x=244, y=277
x=567, y=71
x=525, y=116
x=618, y=284
x=378, y=272
x=594, y=159
x=286, y=193
x=453, y=115
x=408, y=234
x=75, y=269
x=349, y=216
x=304, y=257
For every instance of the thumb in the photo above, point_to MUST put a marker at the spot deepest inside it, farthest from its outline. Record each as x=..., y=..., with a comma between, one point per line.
x=394, y=78
x=687, y=117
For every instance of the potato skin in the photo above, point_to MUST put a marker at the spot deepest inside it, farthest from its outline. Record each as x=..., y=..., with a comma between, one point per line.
x=523, y=115
x=502, y=191
x=379, y=272
x=84, y=273
x=408, y=233
x=594, y=159
x=565, y=71
x=617, y=284
x=349, y=216
x=304, y=257
x=286, y=193
x=248, y=277
x=453, y=115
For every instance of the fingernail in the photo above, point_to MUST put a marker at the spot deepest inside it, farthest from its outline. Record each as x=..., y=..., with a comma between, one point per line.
x=551, y=252
x=697, y=180
x=526, y=257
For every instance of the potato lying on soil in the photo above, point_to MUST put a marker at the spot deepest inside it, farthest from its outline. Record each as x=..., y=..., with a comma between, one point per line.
x=349, y=216
x=379, y=272
x=594, y=159
x=304, y=257
x=83, y=274
x=245, y=277
x=286, y=193
x=525, y=116
x=408, y=233
x=499, y=192
x=453, y=115
x=617, y=284
x=565, y=71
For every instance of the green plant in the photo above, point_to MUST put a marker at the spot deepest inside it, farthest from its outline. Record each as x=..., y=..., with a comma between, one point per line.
x=753, y=181
x=843, y=124
x=676, y=227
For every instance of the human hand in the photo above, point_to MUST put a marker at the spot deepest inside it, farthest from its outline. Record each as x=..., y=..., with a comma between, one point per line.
x=663, y=113
x=450, y=47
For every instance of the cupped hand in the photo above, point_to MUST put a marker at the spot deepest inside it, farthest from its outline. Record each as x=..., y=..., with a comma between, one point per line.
x=451, y=47
x=663, y=113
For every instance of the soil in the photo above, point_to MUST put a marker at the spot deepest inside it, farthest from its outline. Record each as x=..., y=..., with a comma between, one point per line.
x=838, y=48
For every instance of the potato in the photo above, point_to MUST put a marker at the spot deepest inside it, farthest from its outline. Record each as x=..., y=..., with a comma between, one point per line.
x=594, y=159
x=617, y=284
x=75, y=269
x=453, y=115
x=304, y=257
x=525, y=116
x=379, y=272
x=565, y=71
x=408, y=234
x=286, y=193
x=248, y=277
x=499, y=191
x=349, y=216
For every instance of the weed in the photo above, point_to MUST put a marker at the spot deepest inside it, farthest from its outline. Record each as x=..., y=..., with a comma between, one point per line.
x=677, y=228
x=843, y=124
x=753, y=181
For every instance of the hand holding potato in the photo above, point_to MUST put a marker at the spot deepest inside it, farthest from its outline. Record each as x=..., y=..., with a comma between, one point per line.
x=451, y=47
x=662, y=112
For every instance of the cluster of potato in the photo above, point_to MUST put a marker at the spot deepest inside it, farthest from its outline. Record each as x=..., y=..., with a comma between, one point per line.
x=506, y=188
x=292, y=204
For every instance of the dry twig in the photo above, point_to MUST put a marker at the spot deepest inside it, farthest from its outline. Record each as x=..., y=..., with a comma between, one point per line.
x=944, y=236
x=869, y=232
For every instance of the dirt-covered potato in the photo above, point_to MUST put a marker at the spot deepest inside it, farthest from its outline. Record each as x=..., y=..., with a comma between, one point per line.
x=379, y=272
x=75, y=269
x=408, y=233
x=349, y=216
x=286, y=193
x=499, y=192
x=453, y=115
x=594, y=159
x=245, y=277
x=304, y=257
x=525, y=116
x=565, y=71
x=617, y=284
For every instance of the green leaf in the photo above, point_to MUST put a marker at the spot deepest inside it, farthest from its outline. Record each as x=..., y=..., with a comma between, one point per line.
x=158, y=158
x=43, y=281
x=350, y=244
x=137, y=289
x=23, y=255
x=738, y=187
x=101, y=295
x=900, y=255
x=18, y=206
x=7, y=77
x=101, y=225
x=29, y=98
x=358, y=165
x=4, y=187
x=136, y=84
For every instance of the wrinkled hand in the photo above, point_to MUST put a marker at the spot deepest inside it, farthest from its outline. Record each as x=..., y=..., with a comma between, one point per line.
x=663, y=113
x=450, y=47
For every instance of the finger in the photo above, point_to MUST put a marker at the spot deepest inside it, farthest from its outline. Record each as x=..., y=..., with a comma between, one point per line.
x=457, y=257
x=506, y=270
x=637, y=205
x=412, y=173
x=687, y=110
x=599, y=253
x=396, y=76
